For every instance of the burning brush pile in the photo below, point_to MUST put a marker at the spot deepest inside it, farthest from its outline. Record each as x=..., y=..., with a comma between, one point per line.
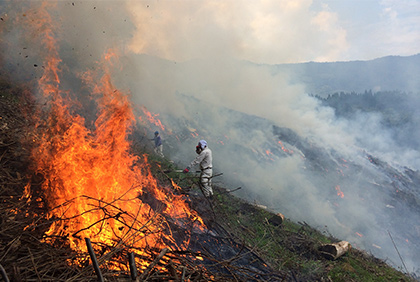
x=77, y=205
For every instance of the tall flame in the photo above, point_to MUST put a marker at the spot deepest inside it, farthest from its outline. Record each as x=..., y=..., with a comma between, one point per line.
x=93, y=185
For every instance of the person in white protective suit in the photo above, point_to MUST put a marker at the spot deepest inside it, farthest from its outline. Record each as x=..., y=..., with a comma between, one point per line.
x=205, y=160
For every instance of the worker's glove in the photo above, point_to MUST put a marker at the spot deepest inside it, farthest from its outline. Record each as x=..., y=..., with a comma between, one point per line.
x=187, y=170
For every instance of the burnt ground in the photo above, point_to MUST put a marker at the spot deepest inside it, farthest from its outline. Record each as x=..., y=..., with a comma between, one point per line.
x=243, y=243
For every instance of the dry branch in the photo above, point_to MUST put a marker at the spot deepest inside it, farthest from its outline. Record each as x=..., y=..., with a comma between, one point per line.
x=94, y=261
x=4, y=274
x=155, y=261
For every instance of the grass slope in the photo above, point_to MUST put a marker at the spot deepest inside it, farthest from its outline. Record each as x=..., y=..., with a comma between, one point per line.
x=288, y=247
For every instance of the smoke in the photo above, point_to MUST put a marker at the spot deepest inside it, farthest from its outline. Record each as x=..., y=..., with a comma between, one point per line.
x=288, y=31
x=238, y=103
x=236, y=106
x=212, y=90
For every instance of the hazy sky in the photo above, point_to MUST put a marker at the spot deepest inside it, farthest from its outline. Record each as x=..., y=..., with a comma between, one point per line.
x=276, y=31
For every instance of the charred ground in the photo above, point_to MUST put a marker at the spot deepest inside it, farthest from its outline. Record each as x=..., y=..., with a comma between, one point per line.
x=245, y=242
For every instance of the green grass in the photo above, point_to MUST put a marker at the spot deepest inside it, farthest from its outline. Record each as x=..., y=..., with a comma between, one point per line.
x=293, y=247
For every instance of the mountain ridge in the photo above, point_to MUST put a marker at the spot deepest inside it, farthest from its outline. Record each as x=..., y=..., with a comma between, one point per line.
x=382, y=74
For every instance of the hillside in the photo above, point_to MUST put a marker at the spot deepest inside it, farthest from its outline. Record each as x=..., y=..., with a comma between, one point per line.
x=392, y=73
x=261, y=242
x=383, y=74
x=397, y=110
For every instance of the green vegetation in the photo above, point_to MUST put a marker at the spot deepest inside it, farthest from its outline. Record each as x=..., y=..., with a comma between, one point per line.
x=293, y=247
x=395, y=108
x=288, y=247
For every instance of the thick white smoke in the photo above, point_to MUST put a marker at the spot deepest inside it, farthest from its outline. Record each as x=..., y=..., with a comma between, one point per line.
x=281, y=183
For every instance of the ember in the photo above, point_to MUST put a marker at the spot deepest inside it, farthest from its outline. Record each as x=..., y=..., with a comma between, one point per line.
x=339, y=193
x=284, y=148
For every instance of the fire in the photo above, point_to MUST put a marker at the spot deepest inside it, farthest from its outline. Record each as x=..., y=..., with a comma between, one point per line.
x=284, y=148
x=93, y=186
x=269, y=154
x=152, y=118
x=344, y=164
x=339, y=193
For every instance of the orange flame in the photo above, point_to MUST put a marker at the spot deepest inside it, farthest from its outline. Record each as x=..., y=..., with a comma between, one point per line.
x=93, y=184
x=269, y=154
x=152, y=118
x=339, y=193
x=284, y=148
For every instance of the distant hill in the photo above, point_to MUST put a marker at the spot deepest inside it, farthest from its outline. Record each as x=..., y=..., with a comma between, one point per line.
x=382, y=74
x=392, y=73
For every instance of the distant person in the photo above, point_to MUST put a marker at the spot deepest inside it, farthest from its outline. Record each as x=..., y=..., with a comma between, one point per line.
x=158, y=144
x=205, y=160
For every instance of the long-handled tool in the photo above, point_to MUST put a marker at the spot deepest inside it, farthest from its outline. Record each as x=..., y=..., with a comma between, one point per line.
x=177, y=170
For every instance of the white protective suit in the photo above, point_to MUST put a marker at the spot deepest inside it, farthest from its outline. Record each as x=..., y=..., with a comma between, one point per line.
x=205, y=160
